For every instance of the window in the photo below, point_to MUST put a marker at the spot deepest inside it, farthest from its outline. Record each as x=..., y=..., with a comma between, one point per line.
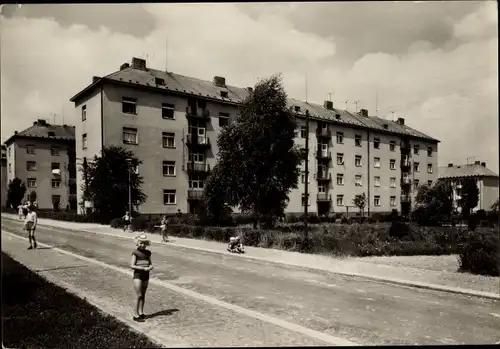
x=223, y=119
x=303, y=178
x=56, y=183
x=224, y=94
x=393, y=182
x=416, y=167
x=416, y=149
x=9, y=151
x=84, y=141
x=168, y=168
x=429, y=151
x=195, y=181
x=322, y=189
x=357, y=140
x=340, y=200
x=303, y=133
x=376, y=143
x=392, y=201
x=357, y=180
x=297, y=108
x=54, y=151
x=168, y=139
x=340, y=179
x=416, y=183
x=160, y=81
x=55, y=166
x=196, y=157
x=392, y=146
x=10, y=168
x=129, y=105
x=429, y=183
x=392, y=164
x=169, y=197
x=167, y=111
x=376, y=200
x=429, y=168
x=376, y=162
x=340, y=137
x=31, y=182
x=376, y=181
x=304, y=200
x=30, y=149
x=51, y=134
x=56, y=201
x=129, y=135
x=357, y=160
x=31, y=165
x=340, y=158
x=84, y=113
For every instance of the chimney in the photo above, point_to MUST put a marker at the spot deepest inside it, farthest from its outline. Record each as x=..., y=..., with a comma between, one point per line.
x=219, y=81
x=124, y=66
x=42, y=122
x=250, y=89
x=386, y=126
x=450, y=165
x=35, y=123
x=15, y=132
x=483, y=164
x=400, y=121
x=363, y=112
x=138, y=63
x=328, y=105
x=477, y=162
x=95, y=78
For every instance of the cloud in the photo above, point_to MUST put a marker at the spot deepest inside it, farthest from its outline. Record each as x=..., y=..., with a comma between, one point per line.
x=444, y=85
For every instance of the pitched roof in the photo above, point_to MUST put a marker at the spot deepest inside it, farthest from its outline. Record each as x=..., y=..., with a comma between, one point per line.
x=41, y=130
x=461, y=171
x=177, y=83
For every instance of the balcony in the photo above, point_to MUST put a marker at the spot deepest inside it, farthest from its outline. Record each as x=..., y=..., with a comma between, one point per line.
x=405, y=198
x=405, y=165
x=198, y=167
x=324, y=197
x=197, y=113
x=323, y=155
x=72, y=181
x=405, y=181
x=200, y=141
x=323, y=176
x=195, y=194
x=323, y=133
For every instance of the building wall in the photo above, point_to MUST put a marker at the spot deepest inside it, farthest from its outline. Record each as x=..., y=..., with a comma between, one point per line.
x=422, y=176
x=489, y=193
x=11, y=160
x=43, y=173
x=92, y=128
x=4, y=183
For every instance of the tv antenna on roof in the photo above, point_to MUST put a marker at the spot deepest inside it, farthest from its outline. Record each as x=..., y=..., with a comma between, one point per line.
x=356, y=103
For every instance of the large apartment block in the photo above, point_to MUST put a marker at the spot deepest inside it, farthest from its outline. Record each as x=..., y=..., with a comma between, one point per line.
x=171, y=123
x=43, y=157
x=3, y=184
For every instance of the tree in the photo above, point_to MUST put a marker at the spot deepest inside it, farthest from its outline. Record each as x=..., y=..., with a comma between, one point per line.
x=215, y=208
x=434, y=204
x=15, y=192
x=470, y=196
x=108, y=183
x=495, y=207
x=32, y=196
x=258, y=161
x=360, y=202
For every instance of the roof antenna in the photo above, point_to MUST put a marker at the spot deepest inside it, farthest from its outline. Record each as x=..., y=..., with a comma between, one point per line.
x=306, y=87
x=376, y=104
x=166, y=54
x=356, y=102
x=346, y=105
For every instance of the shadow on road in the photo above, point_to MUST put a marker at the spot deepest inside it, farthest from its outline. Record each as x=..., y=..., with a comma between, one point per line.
x=167, y=312
x=61, y=268
x=44, y=248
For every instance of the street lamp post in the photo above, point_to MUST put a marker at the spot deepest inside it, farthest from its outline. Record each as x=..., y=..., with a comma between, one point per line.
x=129, y=161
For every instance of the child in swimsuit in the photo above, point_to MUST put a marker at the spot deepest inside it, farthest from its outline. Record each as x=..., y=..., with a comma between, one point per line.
x=141, y=265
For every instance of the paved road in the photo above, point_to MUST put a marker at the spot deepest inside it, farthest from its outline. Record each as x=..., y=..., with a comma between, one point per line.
x=364, y=312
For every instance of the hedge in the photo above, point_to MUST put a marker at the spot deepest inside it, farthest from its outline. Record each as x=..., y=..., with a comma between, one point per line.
x=480, y=252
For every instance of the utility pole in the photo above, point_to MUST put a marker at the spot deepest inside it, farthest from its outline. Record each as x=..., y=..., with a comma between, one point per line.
x=356, y=102
x=376, y=104
x=306, y=184
x=346, y=105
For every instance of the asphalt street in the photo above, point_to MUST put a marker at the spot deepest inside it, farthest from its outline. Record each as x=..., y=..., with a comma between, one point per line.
x=364, y=312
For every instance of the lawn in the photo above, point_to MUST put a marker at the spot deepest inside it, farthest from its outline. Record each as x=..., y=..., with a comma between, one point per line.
x=38, y=314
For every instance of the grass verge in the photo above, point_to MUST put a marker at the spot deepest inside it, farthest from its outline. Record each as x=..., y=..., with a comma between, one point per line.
x=39, y=314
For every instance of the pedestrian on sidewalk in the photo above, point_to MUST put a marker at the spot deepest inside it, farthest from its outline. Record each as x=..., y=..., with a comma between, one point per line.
x=164, y=228
x=30, y=225
x=142, y=265
x=126, y=222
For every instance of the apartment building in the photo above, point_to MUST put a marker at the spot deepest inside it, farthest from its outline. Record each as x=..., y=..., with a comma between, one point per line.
x=171, y=123
x=486, y=181
x=43, y=157
x=4, y=184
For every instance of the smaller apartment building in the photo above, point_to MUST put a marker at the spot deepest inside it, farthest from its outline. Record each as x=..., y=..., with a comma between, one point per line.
x=171, y=123
x=4, y=184
x=486, y=180
x=43, y=157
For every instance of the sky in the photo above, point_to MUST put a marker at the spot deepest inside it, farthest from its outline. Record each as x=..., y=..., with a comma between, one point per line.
x=433, y=63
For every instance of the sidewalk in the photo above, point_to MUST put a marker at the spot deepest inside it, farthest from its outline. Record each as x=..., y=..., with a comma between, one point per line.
x=417, y=271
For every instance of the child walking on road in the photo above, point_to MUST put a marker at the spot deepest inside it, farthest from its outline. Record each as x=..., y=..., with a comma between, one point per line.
x=30, y=226
x=142, y=265
x=164, y=228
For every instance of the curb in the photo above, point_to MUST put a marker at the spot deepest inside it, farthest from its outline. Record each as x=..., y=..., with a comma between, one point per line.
x=400, y=282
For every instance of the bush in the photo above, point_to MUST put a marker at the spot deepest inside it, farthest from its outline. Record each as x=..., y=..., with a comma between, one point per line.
x=399, y=230
x=480, y=252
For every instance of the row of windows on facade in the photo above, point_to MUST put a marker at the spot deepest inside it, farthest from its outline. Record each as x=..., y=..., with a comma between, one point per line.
x=376, y=142
x=31, y=149
x=129, y=106
x=340, y=200
x=31, y=166
x=32, y=183
x=358, y=180
x=376, y=162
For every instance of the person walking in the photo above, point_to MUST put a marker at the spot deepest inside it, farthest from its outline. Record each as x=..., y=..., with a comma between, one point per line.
x=141, y=265
x=30, y=225
x=164, y=229
x=126, y=222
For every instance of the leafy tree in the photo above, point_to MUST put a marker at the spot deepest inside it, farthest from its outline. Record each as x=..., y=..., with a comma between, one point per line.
x=258, y=161
x=434, y=204
x=32, y=196
x=215, y=208
x=360, y=202
x=15, y=192
x=495, y=207
x=108, y=183
x=470, y=196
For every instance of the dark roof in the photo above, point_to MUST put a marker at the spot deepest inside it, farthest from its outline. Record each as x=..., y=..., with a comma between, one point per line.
x=462, y=171
x=41, y=130
x=177, y=83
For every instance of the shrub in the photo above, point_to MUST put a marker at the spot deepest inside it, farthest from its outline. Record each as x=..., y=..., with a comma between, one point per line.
x=117, y=223
x=480, y=252
x=399, y=230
